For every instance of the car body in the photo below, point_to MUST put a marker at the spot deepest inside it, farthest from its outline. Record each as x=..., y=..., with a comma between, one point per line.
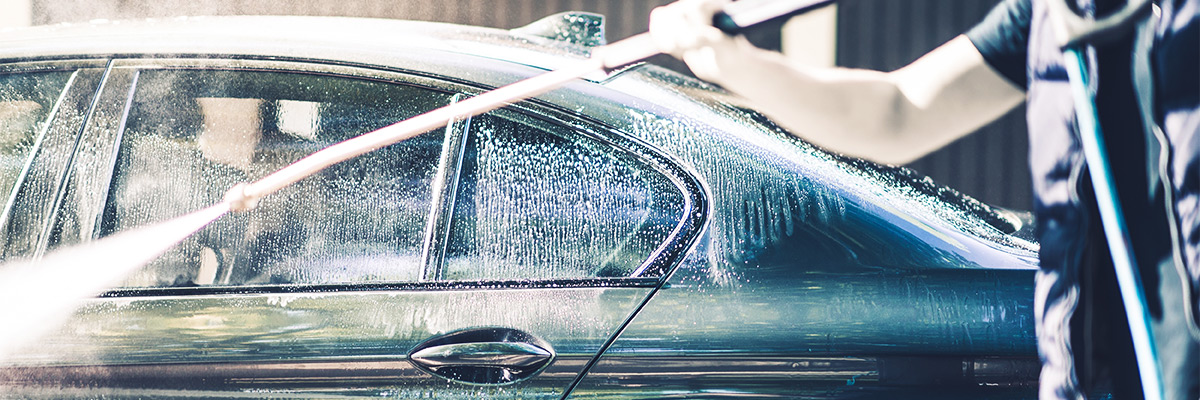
x=634, y=234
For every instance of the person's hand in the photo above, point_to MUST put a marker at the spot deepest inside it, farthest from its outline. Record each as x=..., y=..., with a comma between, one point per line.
x=685, y=25
x=684, y=29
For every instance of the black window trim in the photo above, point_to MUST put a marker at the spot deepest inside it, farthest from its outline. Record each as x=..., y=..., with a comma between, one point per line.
x=445, y=194
x=511, y=284
x=37, y=158
x=684, y=235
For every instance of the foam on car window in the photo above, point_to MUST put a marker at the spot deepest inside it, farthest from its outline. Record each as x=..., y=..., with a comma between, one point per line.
x=26, y=100
x=538, y=201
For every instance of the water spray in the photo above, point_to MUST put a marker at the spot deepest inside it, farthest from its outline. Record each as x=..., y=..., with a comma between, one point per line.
x=101, y=264
x=31, y=309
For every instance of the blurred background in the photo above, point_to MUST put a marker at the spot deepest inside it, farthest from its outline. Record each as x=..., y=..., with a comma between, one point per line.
x=990, y=165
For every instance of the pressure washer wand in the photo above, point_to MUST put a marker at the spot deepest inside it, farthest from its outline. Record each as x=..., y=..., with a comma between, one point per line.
x=245, y=196
x=1073, y=32
x=56, y=306
x=735, y=18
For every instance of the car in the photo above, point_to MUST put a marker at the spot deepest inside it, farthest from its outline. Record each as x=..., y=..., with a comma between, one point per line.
x=633, y=234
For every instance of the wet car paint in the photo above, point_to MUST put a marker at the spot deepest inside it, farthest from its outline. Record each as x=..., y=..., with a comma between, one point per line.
x=808, y=275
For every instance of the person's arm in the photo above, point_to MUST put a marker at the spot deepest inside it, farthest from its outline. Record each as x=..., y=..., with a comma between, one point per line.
x=891, y=117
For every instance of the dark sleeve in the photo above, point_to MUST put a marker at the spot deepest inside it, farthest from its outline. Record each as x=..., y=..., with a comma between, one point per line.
x=1003, y=39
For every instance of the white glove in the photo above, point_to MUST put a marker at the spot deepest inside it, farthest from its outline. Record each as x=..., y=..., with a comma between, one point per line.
x=684, y=29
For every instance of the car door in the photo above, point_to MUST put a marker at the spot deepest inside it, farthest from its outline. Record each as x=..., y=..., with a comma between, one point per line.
x=493, y=258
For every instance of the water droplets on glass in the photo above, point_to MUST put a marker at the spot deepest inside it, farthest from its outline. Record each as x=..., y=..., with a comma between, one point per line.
x=538, y=201
x=26, y=101
x=193, y=134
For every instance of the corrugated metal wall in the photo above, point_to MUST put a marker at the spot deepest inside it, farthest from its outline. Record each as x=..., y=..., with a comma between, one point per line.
x=991, y=164
x=880, y=34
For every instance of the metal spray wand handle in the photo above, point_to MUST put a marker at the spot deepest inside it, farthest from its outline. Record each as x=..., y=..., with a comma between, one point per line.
x=1073, y=32
x=733, y=19
x=245, y=196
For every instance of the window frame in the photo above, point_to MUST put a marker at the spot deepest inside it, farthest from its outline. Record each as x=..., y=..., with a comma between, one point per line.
x=650, y=274
x=51, y=155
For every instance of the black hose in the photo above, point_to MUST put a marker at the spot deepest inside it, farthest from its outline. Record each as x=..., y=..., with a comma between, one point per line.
x=740, y=15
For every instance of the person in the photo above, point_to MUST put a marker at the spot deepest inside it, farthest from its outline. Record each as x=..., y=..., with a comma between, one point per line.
x=1012, y=57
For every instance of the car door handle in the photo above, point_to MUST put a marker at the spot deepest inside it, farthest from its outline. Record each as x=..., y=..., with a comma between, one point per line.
x=492, y=354
x=487, y=356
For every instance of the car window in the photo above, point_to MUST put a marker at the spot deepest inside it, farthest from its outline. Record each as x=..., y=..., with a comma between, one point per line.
x=26, y=102
x=539, y=200
x=192, y=134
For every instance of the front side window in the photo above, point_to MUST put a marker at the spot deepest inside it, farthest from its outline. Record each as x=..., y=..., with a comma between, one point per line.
x=192, y=134
x=26, y=102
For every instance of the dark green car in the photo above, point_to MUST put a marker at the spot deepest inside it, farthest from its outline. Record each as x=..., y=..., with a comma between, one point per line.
x=636, y=234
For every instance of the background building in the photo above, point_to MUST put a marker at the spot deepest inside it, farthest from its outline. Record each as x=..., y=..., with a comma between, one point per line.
x=880, y=34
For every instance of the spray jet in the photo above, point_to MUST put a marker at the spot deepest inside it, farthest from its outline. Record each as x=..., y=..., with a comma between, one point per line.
x=109, y=260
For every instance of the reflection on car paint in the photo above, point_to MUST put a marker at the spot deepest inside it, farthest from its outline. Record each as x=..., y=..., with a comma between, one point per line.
x=277, y=333
x=795, y=272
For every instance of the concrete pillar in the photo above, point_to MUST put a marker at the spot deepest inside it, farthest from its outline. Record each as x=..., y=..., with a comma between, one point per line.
x=16, y=13
x=812, y=38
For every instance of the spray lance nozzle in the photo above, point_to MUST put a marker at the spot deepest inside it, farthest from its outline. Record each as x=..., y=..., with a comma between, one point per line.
x=239, y=200
x=245, y=196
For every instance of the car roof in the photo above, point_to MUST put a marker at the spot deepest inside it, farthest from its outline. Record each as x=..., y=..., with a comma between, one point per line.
x=446, y=50
x=380, y=42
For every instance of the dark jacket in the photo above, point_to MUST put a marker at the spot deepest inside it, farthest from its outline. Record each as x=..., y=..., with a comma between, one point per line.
x=1156, y=167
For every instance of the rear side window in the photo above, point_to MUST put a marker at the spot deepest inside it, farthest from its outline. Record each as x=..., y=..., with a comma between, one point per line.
x=193, y=134
x=539, y=200
x=26, y=103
